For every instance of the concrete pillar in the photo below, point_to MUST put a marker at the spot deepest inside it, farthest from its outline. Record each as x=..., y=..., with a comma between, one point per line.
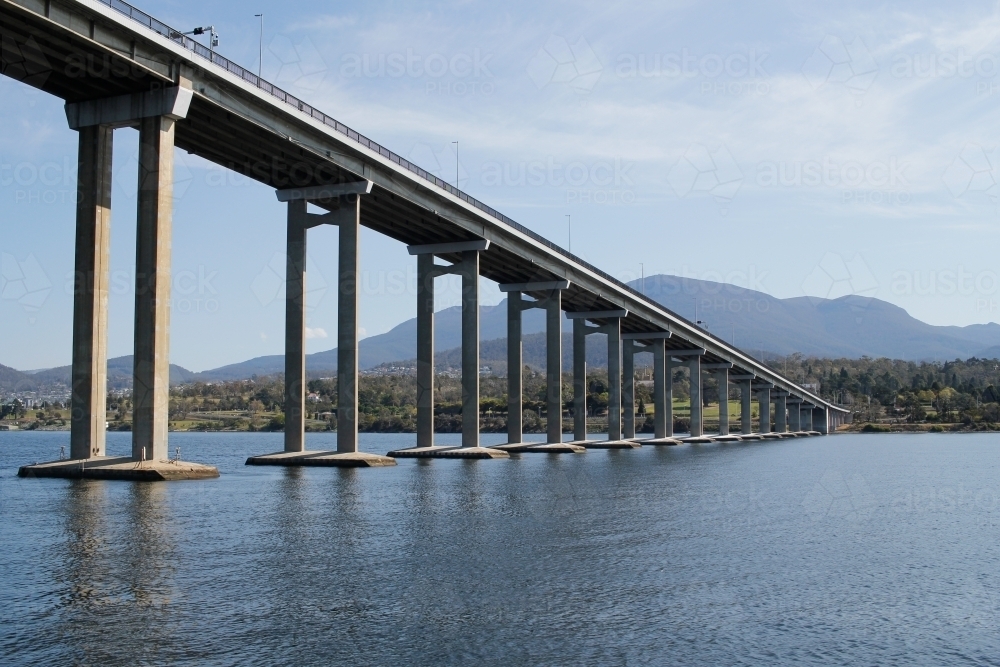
x=780, y=422
x=614, y=331
x=470, y=348
x=425, y=351
x=660, y=379
x=579, y=380
x=668, y=389
x=347, y=326
x=151, y=363
x=697, y=421
x=628, y=389
x=553, y=365
x=515, y=368
x=295, y=328
x=764, y=403
x=794, y=416
x=722, y=377
x=746, y=414
x=90, y=294
x=819, y=420
x=807, y=418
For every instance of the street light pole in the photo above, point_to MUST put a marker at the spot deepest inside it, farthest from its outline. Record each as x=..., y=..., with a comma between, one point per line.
x=456, y=164
x=260, y=45
x=569, y=232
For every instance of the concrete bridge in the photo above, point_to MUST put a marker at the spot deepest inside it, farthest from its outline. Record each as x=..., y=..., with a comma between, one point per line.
x=116, y=67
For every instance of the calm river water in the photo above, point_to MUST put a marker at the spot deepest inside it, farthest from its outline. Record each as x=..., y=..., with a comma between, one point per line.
x=844, y=550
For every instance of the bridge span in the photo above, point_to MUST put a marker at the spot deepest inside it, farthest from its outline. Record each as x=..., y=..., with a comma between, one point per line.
x=115, y=66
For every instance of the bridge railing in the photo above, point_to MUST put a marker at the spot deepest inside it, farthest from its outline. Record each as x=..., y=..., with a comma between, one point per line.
x=200, y=50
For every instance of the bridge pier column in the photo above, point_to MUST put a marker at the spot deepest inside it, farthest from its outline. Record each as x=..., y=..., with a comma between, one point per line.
x=660, y=405
x=553, y=366
x=295, y=327
x=470, y=348
x=746, y=410
x=722, y=377
x=628, y=389
x=349, y=225
x=614, y=331
x=579, y=380
x=794, y=414
x=668, y=390
x=807, y=418
x=90, y=295
x=820, y=420
x=697, y=420
x=780, y=408
x=515, y=369
x=764, y=405
x=425, y=350
x=151, y=362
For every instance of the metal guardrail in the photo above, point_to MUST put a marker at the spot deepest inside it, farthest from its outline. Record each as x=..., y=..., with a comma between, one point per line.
x=200, y=50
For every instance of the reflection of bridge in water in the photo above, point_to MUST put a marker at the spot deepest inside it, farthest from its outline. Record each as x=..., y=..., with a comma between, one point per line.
x=118, y=67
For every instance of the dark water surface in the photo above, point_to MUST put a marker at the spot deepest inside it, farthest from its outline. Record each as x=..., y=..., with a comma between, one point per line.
x=846, y=550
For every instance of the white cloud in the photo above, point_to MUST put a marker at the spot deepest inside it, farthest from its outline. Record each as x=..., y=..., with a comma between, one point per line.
x=315, y=332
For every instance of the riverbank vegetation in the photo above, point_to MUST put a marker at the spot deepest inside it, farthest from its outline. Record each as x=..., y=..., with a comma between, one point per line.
x=886, y=394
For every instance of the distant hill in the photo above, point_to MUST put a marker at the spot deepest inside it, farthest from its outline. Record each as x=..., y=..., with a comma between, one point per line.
x=850, y=326
x=119, y=374
x=13, y=380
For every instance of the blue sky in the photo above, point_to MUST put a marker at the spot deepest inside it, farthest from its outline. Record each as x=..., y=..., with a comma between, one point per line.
x=795, y=148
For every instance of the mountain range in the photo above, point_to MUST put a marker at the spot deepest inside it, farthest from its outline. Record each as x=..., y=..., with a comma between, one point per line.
x=850, y=326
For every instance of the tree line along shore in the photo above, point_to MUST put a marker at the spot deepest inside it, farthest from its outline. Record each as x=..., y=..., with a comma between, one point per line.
x=882, y=394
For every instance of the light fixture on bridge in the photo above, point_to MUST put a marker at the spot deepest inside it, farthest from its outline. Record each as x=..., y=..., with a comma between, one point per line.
x=210, y=29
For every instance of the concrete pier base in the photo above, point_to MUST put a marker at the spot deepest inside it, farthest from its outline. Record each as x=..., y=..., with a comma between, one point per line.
x=119, y=467
x=697, y=440
x=752, y=436
x=515, y=446
x=605, y=444
x=772, y=436
x=541, y=447
x=727, y=438
x=440, y=452
x=555, y=448
x=658, y=441
x=322, y=459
